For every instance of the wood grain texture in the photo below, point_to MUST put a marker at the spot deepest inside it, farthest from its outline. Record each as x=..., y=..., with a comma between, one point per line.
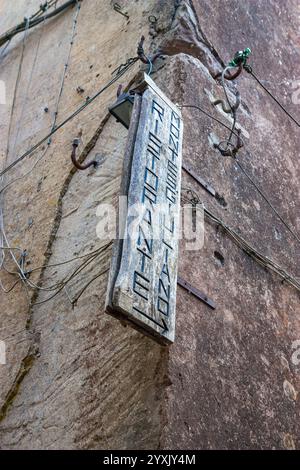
x=142, y=287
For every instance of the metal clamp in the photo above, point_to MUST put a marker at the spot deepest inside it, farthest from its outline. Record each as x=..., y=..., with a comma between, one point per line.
x=228, y=75
x=118, y=9
x=227, y=152
x=141, y=53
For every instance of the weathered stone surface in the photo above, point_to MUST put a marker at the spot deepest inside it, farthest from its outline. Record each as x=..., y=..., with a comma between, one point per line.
x=77, y=378
x=226, y=365
x=65, y=384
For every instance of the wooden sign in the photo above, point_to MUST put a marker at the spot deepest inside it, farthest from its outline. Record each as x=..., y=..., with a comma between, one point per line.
x=143, y=275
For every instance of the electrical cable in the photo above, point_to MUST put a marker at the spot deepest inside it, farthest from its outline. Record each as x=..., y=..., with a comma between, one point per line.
x=59, y=283
x=75, y=300
x=69, y=118
x=248, y=69
x=90, y=257
x=66, y=63
x=70, y=277
x=150, y=66
x=20, y=272
x=246, y=247
x=4, y=49
x=291, y=231
x=17, y=85
x=206, y=114
x=2, y=232
x=46, y=266
x=29, y=83
x=33, y=22
x=267, y=201
x=233, y=110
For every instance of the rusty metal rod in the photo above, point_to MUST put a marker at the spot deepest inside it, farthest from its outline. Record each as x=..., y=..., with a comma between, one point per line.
x=141, y=53
x=228, y=75
x=78, y=165
x=34, y=22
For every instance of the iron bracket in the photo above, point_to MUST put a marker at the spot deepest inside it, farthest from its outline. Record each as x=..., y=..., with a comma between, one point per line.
x=199, y=180
x=196, y=292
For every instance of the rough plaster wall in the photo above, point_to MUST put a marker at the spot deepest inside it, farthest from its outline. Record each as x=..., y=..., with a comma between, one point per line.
x=74, y=378
x=234, y=374
x=228, y=381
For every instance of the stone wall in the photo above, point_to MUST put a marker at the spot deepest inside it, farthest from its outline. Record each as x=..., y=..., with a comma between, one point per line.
x=77, y=378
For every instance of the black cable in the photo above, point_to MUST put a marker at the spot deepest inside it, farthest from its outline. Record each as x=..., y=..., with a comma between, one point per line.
x=260, y=258
x=250, y=71
x=59, y=126
x=208, y=115
x=267, y=201
x=33, y=22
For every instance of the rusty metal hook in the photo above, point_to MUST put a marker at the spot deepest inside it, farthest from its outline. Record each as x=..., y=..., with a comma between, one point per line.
x=78, y=165
x=228, y=75
x=227, y=152
x=233, y=108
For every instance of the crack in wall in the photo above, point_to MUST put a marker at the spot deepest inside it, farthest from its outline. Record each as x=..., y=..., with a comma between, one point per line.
x=28, y=360
x=182, y=35
x=185, y=35
x=33, y=350
x=25, y=366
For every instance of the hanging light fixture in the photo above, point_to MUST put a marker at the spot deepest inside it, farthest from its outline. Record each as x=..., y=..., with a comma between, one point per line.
x=122, y=108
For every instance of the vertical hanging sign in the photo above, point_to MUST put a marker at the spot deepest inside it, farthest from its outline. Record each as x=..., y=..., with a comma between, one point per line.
x=143, y=275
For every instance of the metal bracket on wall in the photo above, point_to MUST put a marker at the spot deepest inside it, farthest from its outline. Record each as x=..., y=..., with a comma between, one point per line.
x=199, y=180
x=118, y=9
x=196, y=292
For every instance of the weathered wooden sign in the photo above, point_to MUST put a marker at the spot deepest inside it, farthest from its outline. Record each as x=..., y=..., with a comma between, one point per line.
x=143, y=275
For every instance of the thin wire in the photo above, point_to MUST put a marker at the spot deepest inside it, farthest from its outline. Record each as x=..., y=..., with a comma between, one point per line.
x=250, y=71
x=24, y=174
x=3, y=238
x=8, y=290
x=69, y=118
x=46, y=266
x=29, y=83
x=61, y=284
x=267, y=201
x=42, y=10
x=224, y=87
x=66, y=63
x=32, y=23
x=292, y=232
x=75, y=300
x=250, y=250
x=233, y=111
x=68, y=279
x=17, y=84
x=208, y=115
x=21, y=272
x=58, y=99
x=4, y=49
x=150, y=66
